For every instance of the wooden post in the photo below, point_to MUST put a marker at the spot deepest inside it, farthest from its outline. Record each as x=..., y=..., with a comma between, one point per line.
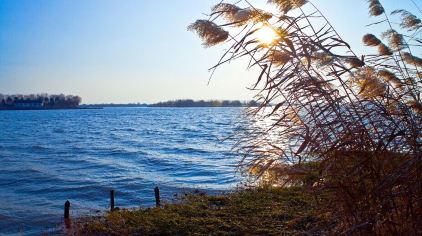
x=67, y=221
x=157, y=197
x=66, y=209
x=111, y=200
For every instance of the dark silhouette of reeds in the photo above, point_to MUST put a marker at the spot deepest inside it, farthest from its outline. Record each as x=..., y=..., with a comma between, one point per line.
x=351, y=122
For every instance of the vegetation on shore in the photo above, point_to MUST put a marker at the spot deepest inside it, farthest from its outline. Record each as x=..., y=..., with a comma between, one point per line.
x=38, y=101
x=69, y=101
x=181, y=103
x=203, y=103
x=101, y=105
x=261, y=211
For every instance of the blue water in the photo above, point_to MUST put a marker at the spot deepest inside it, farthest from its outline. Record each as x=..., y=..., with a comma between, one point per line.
x=47, y=157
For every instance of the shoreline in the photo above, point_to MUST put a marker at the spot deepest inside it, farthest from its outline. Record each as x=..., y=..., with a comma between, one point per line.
x=40, y=109
x=252, y=211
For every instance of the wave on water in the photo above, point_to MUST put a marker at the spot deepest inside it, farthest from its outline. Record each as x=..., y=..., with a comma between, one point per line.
x=80, y=155
x=59, y=131
x=186, y=151
x=38, y=148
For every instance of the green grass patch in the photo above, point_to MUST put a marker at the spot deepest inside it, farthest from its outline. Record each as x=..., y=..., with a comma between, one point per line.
x=261, y=211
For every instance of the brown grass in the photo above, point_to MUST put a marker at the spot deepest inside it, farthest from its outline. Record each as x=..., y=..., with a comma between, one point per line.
x=358, y=116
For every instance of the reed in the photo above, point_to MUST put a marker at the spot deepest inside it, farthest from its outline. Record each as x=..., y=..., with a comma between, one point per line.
x=358, y=117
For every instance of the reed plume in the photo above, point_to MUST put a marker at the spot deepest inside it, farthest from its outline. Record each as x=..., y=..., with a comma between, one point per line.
x=211, y=33
x=383, y=50
x=371, y=40
x=375, y=8
x=239, y=16
x=287, y=5
x=409, y=21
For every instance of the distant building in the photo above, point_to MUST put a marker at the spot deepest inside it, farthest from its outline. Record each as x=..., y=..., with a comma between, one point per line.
x=28, y=104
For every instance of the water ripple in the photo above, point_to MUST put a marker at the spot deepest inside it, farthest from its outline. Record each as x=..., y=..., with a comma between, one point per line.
x=47, y=157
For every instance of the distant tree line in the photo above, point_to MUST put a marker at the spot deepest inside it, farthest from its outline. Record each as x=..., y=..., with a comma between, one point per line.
x=39, y=101
x=203, y=103
x=101, y=105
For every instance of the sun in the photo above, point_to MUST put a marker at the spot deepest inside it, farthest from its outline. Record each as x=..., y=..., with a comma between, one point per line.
x=267, y=35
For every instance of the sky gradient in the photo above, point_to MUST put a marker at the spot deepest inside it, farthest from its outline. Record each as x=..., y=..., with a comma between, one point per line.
x=132, y=50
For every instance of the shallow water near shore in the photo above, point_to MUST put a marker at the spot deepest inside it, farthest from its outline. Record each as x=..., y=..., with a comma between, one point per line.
x=48, y=157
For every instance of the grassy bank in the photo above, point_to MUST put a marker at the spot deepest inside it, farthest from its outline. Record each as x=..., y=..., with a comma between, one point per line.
x=263, y=211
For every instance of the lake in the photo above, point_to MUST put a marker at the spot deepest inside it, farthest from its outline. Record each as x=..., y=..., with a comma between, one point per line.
x=50, y=156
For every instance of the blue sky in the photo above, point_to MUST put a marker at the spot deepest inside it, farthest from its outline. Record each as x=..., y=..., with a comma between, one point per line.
x=132, y=50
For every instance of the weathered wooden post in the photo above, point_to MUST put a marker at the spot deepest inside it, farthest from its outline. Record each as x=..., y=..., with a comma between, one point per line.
x=66, y=209
x=111, y=200
x=67, y=221
x=157, y=197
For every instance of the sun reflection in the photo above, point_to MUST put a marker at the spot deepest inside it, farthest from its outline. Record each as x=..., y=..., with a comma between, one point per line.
x=267, y=35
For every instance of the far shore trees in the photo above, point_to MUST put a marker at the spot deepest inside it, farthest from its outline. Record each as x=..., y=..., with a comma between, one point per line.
x=203, y=103
x=39, y=101
x=351, y=122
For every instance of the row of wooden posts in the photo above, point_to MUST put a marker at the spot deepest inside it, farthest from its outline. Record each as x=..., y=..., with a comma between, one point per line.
x=112, y=207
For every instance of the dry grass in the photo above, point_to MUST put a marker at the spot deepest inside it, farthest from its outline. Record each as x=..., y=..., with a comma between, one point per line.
x=359, y=116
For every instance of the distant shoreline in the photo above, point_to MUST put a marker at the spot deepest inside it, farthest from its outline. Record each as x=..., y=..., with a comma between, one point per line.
x=38, y=109
x=19, y=102
x=183, y=103
x=39, y=104
x=96, y=107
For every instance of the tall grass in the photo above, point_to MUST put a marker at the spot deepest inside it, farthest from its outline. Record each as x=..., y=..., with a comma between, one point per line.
x=357, y=117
